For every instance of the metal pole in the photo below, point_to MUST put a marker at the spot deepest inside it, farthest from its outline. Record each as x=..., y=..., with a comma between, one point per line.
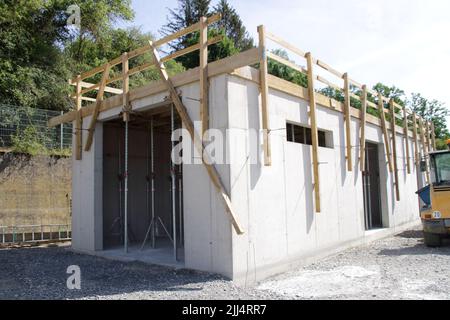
x=174, y=188
x=62, y=133
x=126, y=189
x=152, y=170
x=180, y=203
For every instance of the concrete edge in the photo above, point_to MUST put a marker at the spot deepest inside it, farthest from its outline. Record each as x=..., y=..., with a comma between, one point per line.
x=273, y=270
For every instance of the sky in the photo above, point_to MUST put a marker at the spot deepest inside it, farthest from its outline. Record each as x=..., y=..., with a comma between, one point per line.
x=403, y=42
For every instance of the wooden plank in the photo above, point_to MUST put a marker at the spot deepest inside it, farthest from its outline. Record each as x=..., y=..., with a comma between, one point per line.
x=385, y=132
x=362, y=148
x=314, y=131
x=416, y=142
x=285, y=44
x=204, y=90
x=96, y=112
x=424, y=147
x=427, y=136
x=148, y=65
x=286, y=62
x=394, y=149
x=187, y=122
x=328, y=83
x=144, y=49
x=406, y=136
x=263, y=70
x=348, y=132
x=85, y=84
x=330, y=69
x=78, y=122
x=433, y=136
x=227, y=65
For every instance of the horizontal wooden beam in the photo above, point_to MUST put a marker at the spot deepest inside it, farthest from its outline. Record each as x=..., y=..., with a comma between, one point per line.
x=227, y=65
x=148, y=65
x=285, y=44
x=143, y=49
x=288, y=63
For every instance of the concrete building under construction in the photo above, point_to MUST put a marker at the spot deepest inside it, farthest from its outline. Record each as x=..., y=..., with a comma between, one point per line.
x=329, y=174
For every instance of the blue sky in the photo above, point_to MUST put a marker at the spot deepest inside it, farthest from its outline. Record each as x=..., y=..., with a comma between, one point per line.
x=402, y=42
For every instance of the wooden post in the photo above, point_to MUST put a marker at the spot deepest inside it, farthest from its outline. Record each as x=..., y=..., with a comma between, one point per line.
x=433, y=136
x=263, y=70
x=406, y=134
x=427, y=135
x=204, y=88
x=348, y=137
x=78, y=122
x=181, y=109
x=394, y=148
x=125, y=87
x=314, y=132
x=98, y=104
x=424, y=147
x=362, y=155
x=385, y=132
x=416, y=143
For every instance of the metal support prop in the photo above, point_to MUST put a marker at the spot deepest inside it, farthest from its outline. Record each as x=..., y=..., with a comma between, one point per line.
x=151, y=231
x=152, y=172
x=126, y=118
x=174, y=185
x=180, y=203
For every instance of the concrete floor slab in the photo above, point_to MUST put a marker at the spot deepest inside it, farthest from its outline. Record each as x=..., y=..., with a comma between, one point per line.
x=161, y=255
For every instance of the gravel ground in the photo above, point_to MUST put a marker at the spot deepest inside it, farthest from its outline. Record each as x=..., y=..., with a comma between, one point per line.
x=399, y=267
x=40, y=273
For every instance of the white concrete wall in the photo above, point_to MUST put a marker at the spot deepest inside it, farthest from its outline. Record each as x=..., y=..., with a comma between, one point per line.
x=275, y=204
x=206, y=224
x=207, y=229
x=87, y=205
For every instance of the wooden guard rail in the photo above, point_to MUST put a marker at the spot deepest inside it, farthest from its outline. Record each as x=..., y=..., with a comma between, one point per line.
x=158, y=63
x=385, y=106
x=83, y=87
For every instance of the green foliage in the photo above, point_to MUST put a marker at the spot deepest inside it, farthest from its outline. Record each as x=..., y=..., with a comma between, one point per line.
x=28, y=141
x=220, y=50
x=33, y=36
x=431, y=110
x=441, y=144
x=284, y=72
x=233, y=26
x=188, y=12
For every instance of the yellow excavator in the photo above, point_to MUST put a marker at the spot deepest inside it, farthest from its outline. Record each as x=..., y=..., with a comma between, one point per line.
x=435, y=213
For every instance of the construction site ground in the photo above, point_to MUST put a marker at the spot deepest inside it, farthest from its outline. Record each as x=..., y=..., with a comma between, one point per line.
x=398, y=267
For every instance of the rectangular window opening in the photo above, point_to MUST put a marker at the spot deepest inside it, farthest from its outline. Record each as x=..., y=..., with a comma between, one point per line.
x=302, y=135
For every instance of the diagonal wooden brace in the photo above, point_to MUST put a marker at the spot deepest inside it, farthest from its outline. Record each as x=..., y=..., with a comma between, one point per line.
x=99, y=102
x=181, y=109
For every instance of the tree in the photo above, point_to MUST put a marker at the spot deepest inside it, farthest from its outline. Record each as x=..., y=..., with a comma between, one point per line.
x=431, y=110
x=33, y=35
x=391, y=92
x=233, y=26
x=188, y=12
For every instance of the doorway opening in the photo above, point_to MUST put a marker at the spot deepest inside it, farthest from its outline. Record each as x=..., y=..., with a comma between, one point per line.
x=371, y=188
x=155, y=223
